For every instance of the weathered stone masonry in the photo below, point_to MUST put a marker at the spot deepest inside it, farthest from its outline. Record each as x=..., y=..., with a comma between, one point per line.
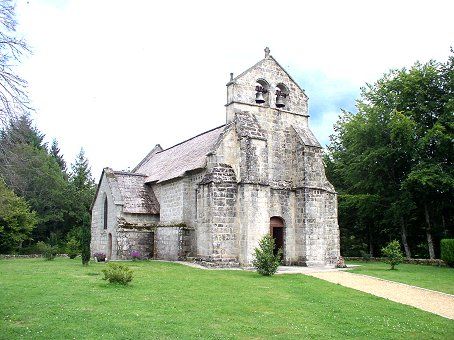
x=212, y=197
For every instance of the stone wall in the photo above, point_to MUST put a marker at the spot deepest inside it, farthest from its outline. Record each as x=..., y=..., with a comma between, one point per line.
x=171, y=198
x=99, y=235
x=217, y=234
x=129, y=240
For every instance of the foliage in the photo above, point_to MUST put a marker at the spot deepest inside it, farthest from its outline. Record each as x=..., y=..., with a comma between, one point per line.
x=73, y=247
x=265, y=261
x=100, y=257
x=135, y=255
x=16, y=220
x=55, y=153
x=34, y=175
x=38, y=175
x=392, y=161
x=447, y=251
x=393, y=253
x=48, y=251
x=85, y=238
x=118, y=273
x=292, y=307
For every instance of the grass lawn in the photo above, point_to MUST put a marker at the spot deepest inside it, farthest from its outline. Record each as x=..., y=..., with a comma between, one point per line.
x=60, y=299
x=430, y=277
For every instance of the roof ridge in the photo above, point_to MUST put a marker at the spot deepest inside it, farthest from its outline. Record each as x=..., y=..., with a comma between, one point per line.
x=187, y=140
x=128, y=173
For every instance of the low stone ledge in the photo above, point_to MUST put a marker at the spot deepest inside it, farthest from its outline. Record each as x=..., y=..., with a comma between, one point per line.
x=28, y=256
x=428, y=262
x=217, y=263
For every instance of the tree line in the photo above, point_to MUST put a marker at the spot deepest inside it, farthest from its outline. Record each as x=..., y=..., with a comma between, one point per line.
x=392, y=162
x=41, y=199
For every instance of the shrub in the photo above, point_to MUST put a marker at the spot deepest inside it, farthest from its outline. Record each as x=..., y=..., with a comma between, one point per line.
x=265, y=261
x=365, y=255
x=117, y=273
x=393, y=253
x=447, y=251
x=85, y=237
x=100, y=257
x=135, y=255
x=73, y=248
x=49, y=252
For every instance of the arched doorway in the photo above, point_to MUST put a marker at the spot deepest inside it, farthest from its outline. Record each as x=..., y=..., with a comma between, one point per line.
x=277, y=233
x=109, y=247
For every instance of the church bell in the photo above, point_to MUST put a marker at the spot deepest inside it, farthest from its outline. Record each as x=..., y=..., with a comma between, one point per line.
x=279, y=101
x=259, y=97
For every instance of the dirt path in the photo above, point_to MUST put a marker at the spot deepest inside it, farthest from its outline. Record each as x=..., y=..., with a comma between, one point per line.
x=428, y=300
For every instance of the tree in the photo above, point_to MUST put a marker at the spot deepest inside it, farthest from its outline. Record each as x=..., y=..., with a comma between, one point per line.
x=34, y=175
x=16, y=220
x=398, y=149
x=82, y=192
x=265, y=260
x=13, y=96
x=393, y=253
x=55, y=153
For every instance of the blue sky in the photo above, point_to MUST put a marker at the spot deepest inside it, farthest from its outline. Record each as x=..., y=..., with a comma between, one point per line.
x=103, y=74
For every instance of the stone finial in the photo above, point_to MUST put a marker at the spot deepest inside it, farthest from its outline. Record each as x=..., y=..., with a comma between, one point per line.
x=231, y=76
x=267, y=52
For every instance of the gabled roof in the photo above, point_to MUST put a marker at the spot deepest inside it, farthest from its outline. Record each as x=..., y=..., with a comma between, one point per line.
x=306, y=136
x=138, y=198
x=129, y=190
x=175, y=161
x=261, y=62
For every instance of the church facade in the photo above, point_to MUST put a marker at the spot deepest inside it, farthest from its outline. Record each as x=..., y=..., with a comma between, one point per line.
x=213, y=197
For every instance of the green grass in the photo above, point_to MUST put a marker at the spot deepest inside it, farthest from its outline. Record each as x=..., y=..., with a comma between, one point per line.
x=430, y=277
x=61, y=299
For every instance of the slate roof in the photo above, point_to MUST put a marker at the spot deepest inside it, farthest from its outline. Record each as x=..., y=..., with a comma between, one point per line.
x=175, y=161
x=306, y=136
x=129, y=190
x=138, y=198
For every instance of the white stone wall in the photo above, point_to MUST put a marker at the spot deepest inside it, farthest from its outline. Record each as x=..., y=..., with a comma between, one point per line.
x=99, y=235
x=171, y=198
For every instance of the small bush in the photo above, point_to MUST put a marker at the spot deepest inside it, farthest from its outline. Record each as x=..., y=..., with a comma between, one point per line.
x=49, y=252
x=393, y=253
x=85, y=238
x=135, y=255
x=447, y=251
x=73, y=248
x=265, y=261
x=100, y=257
x=365, y=255
x=117, y=273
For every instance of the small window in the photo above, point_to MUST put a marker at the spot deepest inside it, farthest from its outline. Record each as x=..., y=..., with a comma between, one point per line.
x=105, y=212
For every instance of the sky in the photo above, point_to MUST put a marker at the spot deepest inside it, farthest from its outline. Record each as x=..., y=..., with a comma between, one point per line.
x=118, y=77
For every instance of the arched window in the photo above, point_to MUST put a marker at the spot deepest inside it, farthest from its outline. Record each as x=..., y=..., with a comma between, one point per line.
x=262, y=90
x=282, y=93
x=106, y=212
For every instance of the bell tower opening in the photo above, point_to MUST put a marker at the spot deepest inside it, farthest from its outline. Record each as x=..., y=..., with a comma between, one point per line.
x=262, y=90
x=282, y=93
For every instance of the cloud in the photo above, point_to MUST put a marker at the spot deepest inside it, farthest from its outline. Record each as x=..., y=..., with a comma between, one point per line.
x=119, y=77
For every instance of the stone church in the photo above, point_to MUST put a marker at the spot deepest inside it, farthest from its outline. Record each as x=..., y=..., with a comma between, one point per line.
x=212, y=198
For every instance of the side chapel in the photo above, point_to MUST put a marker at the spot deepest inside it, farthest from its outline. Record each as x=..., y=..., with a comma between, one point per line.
x=212, y=198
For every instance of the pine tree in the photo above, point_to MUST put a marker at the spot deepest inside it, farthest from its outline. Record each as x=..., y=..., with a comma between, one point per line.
x=55, y=152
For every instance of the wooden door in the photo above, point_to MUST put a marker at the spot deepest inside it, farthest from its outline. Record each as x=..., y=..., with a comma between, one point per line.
x=277, y=233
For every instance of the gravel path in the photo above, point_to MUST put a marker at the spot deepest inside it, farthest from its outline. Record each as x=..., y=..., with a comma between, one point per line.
x=428, y=300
